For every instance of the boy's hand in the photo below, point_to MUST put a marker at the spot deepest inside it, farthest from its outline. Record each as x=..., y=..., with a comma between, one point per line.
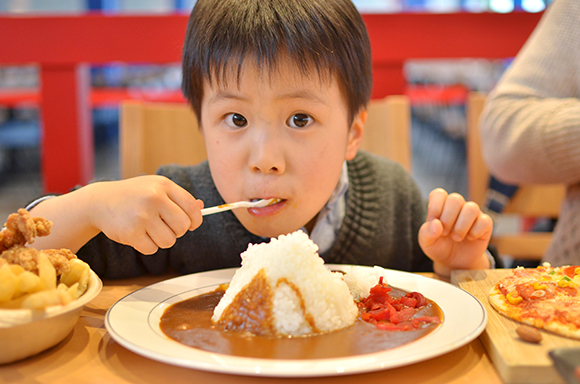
x=456, y=233
x=147, y=212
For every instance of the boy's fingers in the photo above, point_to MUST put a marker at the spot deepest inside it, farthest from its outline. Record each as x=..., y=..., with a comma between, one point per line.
x=430, y=232
x=161, y=234
x=465, y=221
x=144, y=244
x=188, y=204
x=175, y=218
x=437, y=199
x=482, y=228
x=451, y=209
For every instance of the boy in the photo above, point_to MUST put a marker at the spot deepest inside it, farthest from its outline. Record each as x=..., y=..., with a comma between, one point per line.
x=280, y=89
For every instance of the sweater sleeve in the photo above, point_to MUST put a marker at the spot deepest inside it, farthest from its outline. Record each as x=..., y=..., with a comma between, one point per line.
x=530, y=129
x=112, y=260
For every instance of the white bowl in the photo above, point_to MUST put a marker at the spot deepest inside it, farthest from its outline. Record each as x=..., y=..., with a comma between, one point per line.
x=25, y=332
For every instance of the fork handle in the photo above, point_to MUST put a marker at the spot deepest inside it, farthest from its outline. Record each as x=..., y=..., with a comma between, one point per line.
x=217, y=209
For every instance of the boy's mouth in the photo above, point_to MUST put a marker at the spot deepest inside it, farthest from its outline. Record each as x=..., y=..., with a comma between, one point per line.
x=274, y=207
x=275, y=200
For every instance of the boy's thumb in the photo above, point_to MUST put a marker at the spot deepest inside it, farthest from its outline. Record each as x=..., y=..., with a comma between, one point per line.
x=430, y=232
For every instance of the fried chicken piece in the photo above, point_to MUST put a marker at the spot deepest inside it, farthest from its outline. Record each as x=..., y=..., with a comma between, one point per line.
x=27, y=258
x=60, y=259
x=20, y=229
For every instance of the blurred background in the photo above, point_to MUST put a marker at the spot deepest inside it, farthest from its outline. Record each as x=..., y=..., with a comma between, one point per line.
x=437, y=89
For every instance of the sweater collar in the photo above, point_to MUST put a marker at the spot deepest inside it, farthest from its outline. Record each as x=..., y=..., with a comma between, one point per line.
x=330, y=217
x=361, y=214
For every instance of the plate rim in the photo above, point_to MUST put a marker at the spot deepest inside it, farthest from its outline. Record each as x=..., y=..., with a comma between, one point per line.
x=250, y=366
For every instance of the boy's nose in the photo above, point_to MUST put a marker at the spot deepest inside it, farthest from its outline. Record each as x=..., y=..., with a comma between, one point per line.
x=265, y=170
x=266, y=154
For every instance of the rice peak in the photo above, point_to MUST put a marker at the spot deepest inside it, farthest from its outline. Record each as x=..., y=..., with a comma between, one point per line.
x=306, y=297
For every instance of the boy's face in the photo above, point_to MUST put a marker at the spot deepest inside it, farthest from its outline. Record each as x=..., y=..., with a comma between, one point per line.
x=278, y=134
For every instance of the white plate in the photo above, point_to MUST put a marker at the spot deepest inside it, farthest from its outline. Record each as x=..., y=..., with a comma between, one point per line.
x=133, y=322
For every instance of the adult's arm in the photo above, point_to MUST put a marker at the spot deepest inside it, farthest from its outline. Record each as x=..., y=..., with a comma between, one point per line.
x=530, y=129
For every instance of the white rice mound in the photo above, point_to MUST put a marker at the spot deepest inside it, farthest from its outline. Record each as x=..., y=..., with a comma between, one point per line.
x=294, y=257
x=360, y=280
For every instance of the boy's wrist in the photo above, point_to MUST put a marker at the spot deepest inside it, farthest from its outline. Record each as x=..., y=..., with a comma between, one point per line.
x=490, y=258
x=87, y=198
x=442, y=270
x=486, y=261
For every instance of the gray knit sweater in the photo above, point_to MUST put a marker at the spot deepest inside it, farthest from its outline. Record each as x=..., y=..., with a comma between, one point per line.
x=384, y=210
x=530, y=130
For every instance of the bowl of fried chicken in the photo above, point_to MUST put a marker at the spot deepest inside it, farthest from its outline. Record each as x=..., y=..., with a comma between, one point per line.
x=42, y=292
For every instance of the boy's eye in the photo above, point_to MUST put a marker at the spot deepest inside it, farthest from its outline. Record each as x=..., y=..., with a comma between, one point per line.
x=235, y=120
x=299, y=120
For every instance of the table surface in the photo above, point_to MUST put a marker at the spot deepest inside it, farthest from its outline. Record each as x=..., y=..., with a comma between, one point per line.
x=89, y=354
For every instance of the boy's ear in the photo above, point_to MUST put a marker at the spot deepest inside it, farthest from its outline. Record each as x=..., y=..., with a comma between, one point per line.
x=355, y=134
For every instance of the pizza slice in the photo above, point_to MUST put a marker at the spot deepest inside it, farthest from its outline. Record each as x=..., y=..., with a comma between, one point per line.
x=545, y=297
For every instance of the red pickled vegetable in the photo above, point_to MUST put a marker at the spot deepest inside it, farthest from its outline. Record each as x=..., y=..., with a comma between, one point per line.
x=393, y=314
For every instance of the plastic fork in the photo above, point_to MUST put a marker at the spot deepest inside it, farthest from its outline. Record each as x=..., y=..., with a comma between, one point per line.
x=240, y=204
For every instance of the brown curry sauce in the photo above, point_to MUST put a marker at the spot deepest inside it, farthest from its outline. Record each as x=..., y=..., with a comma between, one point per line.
x=189, y=322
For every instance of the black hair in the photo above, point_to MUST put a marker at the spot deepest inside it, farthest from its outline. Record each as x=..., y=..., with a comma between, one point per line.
x=326, y=36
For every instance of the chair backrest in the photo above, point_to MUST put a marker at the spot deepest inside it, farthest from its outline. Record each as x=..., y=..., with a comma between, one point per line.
x=528, y=201
x=152, y=134
x=388, y=129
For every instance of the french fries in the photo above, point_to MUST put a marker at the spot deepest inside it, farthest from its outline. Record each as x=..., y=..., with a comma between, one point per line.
x=36, y=279
x=8, y=283
x=20, y=288
x=78, y=274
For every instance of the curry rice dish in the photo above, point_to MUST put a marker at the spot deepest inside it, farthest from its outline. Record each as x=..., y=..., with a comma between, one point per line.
x=284, y=303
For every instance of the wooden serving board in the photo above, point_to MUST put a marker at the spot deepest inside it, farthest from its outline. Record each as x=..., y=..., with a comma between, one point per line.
x=517, y=361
